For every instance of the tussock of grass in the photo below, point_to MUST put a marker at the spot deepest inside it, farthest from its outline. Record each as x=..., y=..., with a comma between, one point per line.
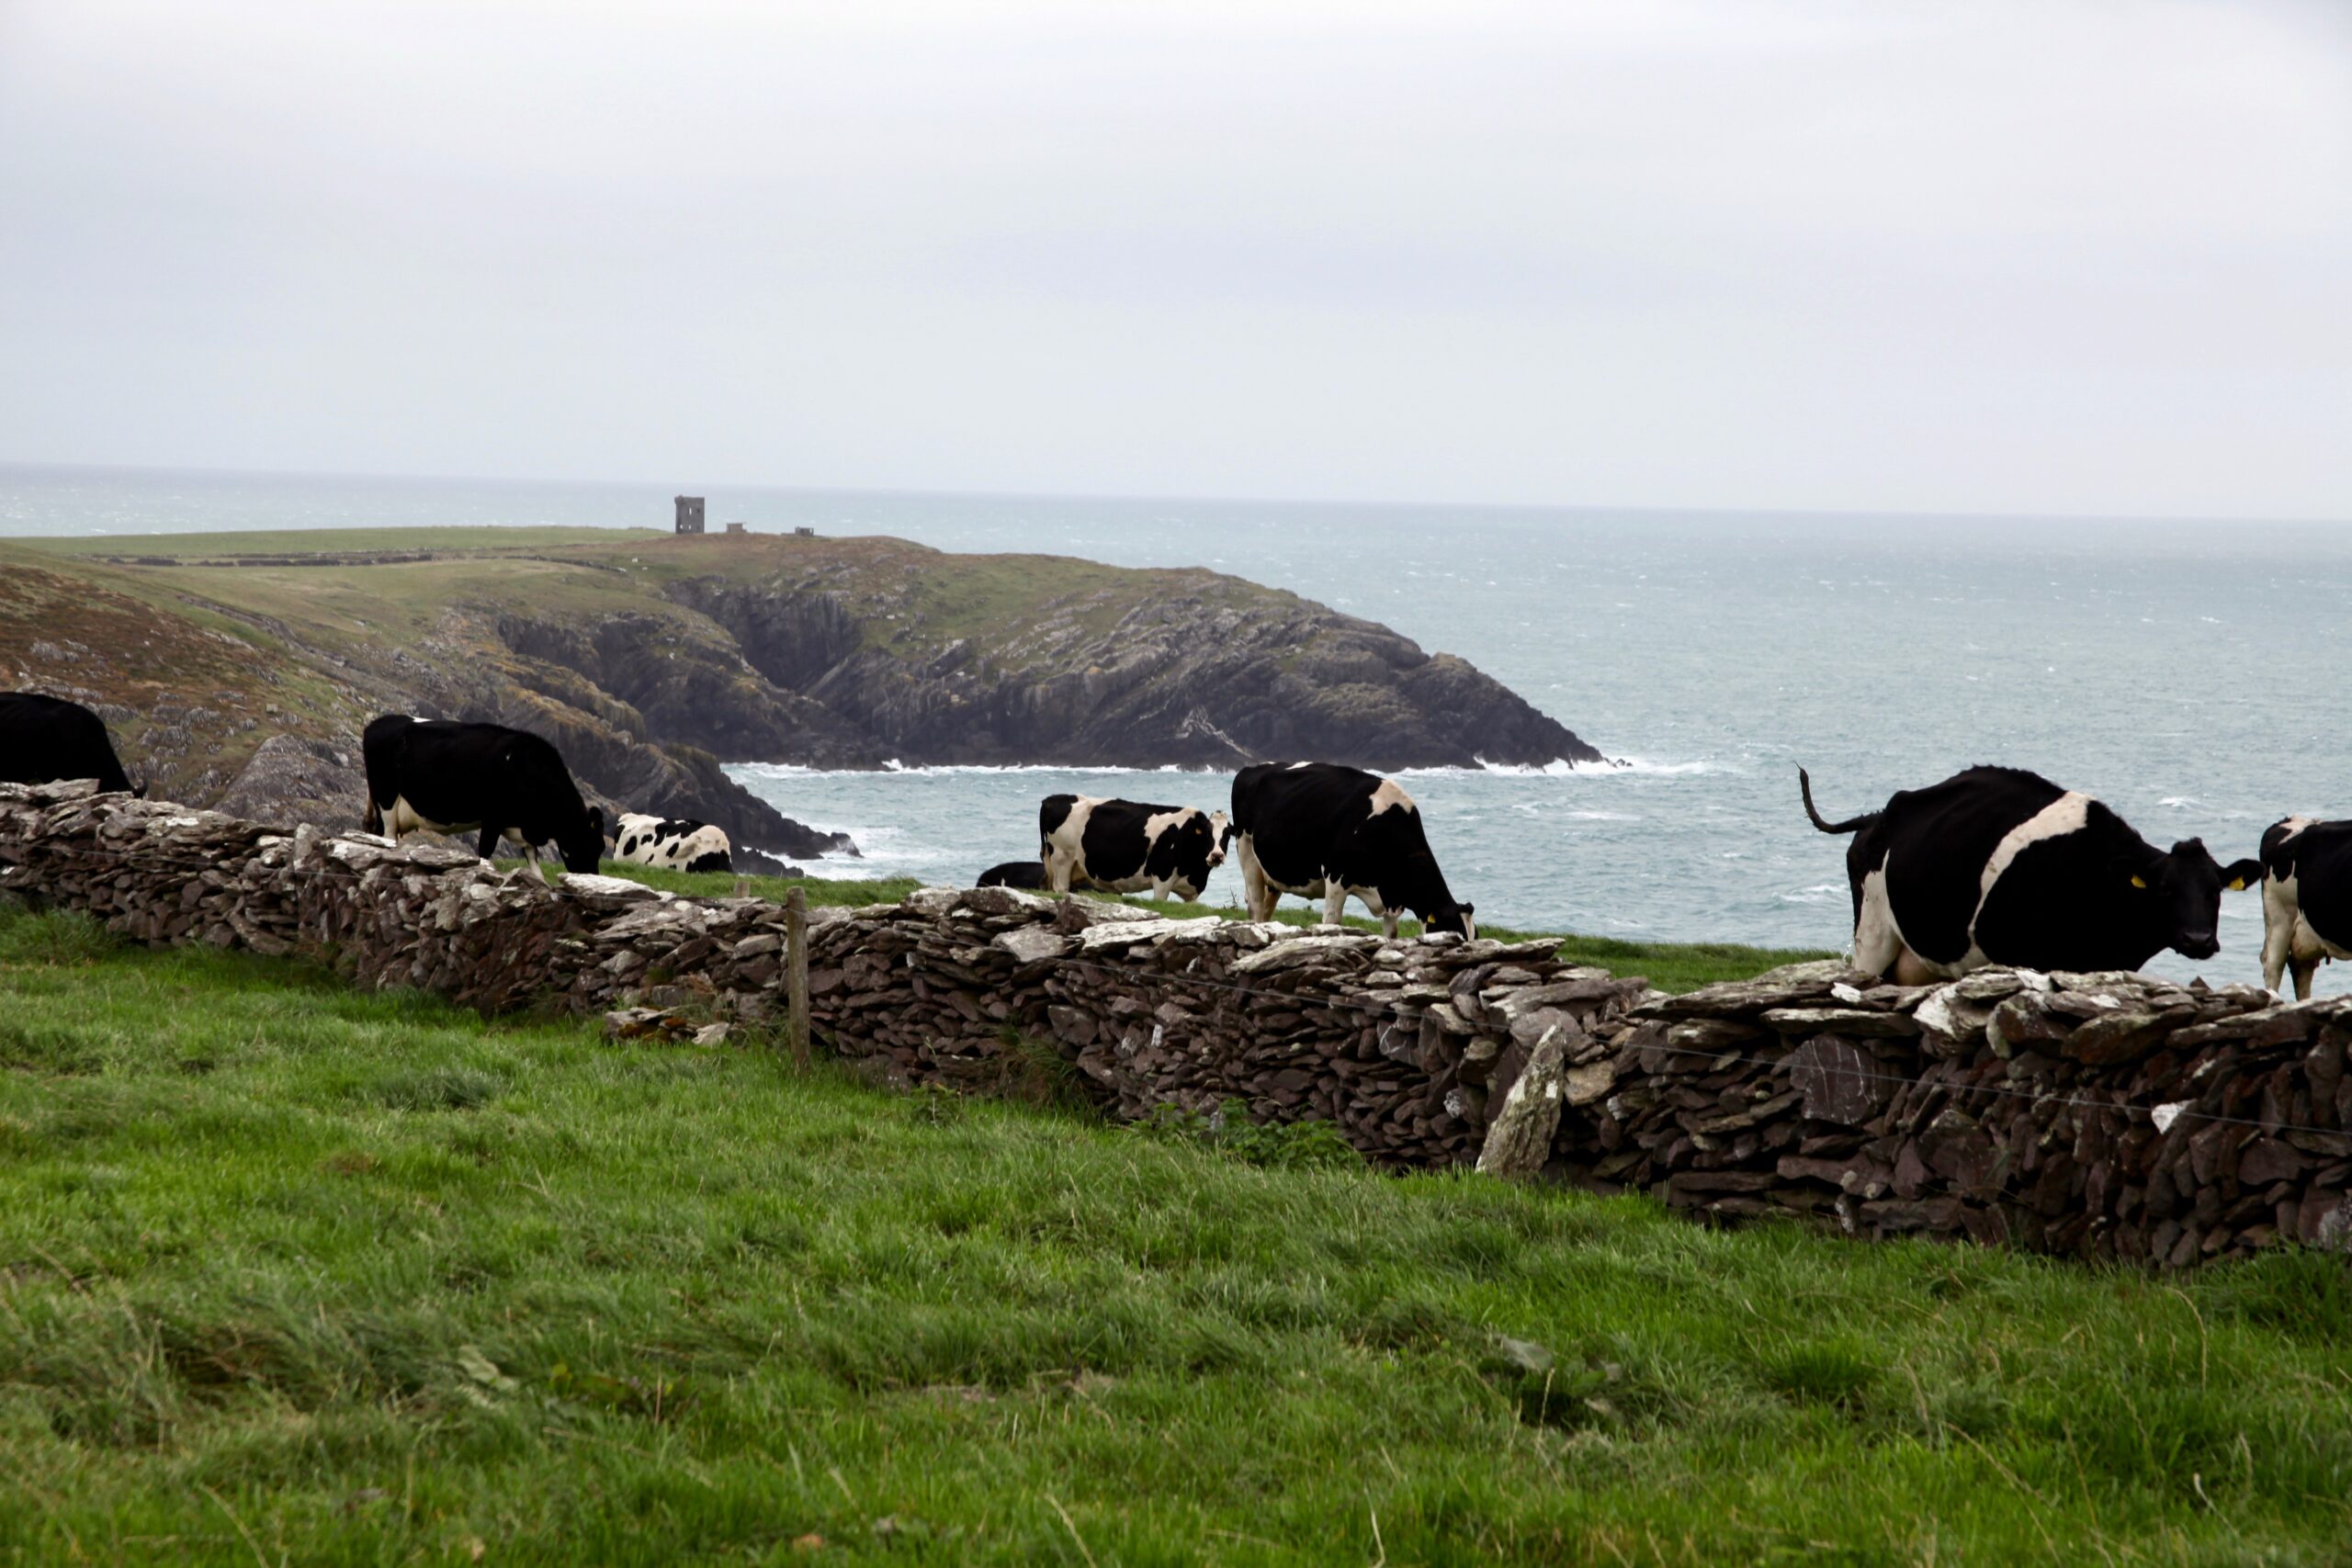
x=381, y=1282
x=52, y=937
x=820, y=891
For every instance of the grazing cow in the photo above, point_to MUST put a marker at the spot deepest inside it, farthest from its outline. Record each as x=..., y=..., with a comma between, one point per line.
x=1029, y=874
x=1126, y=846
x=43, y=739
x=674, y=843
x=436, y=776
x=1325, y=831
x=1998, y=865
x=2306, y=899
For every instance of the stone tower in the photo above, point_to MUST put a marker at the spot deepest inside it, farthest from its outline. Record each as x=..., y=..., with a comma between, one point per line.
x=689, y=514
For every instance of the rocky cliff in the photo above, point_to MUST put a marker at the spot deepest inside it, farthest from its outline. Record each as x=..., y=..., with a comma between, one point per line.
x=1189, y=668
x=238, y=671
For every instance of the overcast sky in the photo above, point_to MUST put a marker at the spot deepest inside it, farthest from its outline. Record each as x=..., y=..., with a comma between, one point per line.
x=1974, y=255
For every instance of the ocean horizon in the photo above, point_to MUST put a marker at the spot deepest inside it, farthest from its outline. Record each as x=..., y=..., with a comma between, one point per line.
x=2171, y=667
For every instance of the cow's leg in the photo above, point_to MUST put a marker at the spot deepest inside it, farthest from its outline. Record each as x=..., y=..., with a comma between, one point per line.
x=374, y=820
x=1877, y=941
x=1910, y=969
x=2305, y=970
x=1254, y=894
x=2277, y=936
x=1058, y=871
x=1388, y=924
x=488, y=847
x=1335, y=901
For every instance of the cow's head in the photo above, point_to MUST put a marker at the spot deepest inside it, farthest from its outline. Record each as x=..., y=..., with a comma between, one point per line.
x=1220, y=833
x=2179, y=895
x=584, y=847
x=1450, y=917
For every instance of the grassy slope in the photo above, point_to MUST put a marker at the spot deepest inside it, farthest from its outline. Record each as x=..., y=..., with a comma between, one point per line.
x=919, y=597
x=287, y=1271
x=246, y=639
x=295, y=541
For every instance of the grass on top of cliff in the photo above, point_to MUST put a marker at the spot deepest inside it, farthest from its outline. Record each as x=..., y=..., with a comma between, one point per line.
x=293, y=1274
x=1669, y=966
x=332, y=542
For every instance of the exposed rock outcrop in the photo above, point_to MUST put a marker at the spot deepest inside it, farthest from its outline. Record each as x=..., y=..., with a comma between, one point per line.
x=243, y=678
x=294, y=780
x=1189, y=668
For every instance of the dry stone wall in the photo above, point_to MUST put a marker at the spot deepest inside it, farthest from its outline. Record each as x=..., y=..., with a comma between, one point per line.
x=2099, y=1115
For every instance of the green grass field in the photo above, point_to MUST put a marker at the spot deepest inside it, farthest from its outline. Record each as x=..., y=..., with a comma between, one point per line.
x=290, y=1274
x=330, y=541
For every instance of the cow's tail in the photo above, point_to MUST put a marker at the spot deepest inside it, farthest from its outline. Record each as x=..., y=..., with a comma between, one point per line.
x=1852, y=824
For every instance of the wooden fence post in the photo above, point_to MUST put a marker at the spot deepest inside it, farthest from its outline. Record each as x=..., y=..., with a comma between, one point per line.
x=795, y=949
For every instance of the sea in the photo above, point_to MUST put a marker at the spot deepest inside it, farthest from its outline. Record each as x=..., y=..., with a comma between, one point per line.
x=2185, y=672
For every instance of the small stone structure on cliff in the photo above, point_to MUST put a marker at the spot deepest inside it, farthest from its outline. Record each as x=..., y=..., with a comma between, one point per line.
x=2096, y=1115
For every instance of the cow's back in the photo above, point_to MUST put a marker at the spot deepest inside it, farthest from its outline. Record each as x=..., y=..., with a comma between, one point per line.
x=44, y=738
x=1296, y=814
x=453, y=771
x=1938, y=843
x=2318, y=859
x=381, y=745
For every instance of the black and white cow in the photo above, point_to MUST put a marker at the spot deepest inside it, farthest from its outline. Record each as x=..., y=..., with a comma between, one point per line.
x=1029, y=874
x=673, y=843
x=1128, y=846
x=1998, y=865
x=2306, y=899
x=436, y=776
x=1325, y=831
x=43, y=739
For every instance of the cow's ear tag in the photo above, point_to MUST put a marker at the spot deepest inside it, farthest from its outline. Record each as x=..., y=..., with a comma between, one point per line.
x=2139, y=881
x=2237, y=884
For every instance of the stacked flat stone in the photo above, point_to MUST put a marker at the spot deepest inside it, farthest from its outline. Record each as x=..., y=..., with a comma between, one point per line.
x=2100, y=1115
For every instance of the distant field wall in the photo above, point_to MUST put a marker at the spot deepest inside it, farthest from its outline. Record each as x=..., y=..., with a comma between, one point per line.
x=2094, y=1115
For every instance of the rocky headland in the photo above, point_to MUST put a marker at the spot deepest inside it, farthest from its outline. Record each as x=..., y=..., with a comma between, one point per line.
x=238, y=671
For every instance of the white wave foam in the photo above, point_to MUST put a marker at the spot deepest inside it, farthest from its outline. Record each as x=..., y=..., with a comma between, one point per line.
x=1561, y=768
x=1645, y=765
x=1558, y=768
x=1819, y=893
x=896, y=768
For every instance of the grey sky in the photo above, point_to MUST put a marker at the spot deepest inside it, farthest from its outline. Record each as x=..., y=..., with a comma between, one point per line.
x=2048, y=256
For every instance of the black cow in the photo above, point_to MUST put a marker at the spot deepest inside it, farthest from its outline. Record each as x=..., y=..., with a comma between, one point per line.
x=436, y=776
x=1325, y=831
x=43, y=739
x=1998, y=865
x=2306, y=899
x=1026, y=873
x=1128, y=846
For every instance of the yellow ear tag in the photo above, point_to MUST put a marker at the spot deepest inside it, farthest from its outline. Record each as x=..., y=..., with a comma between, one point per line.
x=2237, y=884
x=2139, y=881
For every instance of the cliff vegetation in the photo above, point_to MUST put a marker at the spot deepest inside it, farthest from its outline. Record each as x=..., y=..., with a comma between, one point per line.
x=238, y=670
